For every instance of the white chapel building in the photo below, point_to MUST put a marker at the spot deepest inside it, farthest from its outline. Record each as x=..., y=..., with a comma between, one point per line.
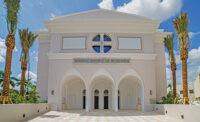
x=101, y=59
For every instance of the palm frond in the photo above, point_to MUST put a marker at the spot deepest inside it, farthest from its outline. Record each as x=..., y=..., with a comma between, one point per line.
x=27, y=39
x=13, y=7
x=181, y=25
x=13, y=80
x=169, y=44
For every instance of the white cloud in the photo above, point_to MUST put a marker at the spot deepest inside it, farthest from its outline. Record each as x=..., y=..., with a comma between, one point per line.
x=106, y=4
x=168, y=75
x=177, y=57
x=192, y=34
x=52, y=15
x=41, y=3
x=32, y=76
x=33, y=53
x=15, y=50
x=36, y=58
x=2, y=50
x=2, y=59
x=193, y=67
x=194, y=56
x=55, y=13
x=167, y=58
x=193, y=72
x=154, y=9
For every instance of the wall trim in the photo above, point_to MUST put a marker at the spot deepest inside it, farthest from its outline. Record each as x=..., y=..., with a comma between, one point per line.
x=132, y=56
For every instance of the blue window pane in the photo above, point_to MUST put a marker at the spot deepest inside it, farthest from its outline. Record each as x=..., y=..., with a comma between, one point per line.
x=97, y=48
x=106, y=48
x=106, y=38
x=96, y=38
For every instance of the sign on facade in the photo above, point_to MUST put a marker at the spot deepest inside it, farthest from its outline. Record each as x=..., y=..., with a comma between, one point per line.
x=101, y=60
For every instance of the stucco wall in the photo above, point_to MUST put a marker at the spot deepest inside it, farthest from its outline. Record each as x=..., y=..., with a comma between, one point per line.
x=73, y=96
x=21, y=112
x=59, y=68
x=42, y=71
x=147, y=42
x=150, y=71
x=189, y=112
x=161, y=83
x=153, y=77
x=197, y=87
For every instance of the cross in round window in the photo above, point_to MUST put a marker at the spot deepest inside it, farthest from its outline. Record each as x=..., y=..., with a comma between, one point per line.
x=101, y=43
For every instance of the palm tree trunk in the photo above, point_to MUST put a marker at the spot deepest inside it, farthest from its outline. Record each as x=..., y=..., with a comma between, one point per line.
x=23, y=77
x=184, y=56
x=185, y=86
x=173, y=68
x=6, y=83
x=10, y=43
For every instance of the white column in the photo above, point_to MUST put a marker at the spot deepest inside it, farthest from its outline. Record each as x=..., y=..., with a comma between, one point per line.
x=88, y=100
x=101, y=100
x=116, y=99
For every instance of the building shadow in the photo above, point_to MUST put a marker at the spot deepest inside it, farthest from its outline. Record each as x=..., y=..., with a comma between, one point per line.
x=49, y=116
x=107, y=113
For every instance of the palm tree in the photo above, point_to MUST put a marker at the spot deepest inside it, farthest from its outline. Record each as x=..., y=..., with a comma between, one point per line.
x=181, y=25
x=13, y=80
x=169, y=44
x=26, y=38
x=12, y=19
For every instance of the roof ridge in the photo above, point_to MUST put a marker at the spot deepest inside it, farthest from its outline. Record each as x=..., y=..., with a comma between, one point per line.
x=96, y=10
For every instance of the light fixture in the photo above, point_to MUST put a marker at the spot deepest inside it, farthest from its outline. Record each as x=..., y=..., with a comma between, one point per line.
x=52, y=92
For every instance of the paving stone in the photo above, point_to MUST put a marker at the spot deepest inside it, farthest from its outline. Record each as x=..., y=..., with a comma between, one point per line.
x=102, y=116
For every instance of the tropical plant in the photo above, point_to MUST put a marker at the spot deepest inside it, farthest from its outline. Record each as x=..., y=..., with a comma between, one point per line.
x=170, y=98
x=181, y=25
x=31, y=94
x=169, y=44
x=12, y=19
x=26, y=38
x=13, y=80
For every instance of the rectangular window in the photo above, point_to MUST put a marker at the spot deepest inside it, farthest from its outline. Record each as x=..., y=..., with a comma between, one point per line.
x=130, y=43
x=191, y=91
x=181, y=92
x=74, y=43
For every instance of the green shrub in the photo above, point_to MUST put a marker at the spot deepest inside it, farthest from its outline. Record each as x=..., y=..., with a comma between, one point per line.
x=170, y=98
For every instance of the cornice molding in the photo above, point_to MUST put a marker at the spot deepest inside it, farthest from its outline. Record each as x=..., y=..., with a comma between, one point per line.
x=132, y=56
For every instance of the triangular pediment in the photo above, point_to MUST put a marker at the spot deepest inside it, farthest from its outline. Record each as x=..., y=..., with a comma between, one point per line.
x=100, y=14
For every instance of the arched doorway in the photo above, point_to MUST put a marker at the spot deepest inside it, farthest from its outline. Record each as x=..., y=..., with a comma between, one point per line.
x=84, y=98
x=130, y=94
x=73, y=93
x=106, y=99
x=118, y=99
x=104, y=86
x=96, y=99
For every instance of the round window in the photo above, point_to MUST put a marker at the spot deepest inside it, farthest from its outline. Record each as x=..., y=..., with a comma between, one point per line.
x=102, y=45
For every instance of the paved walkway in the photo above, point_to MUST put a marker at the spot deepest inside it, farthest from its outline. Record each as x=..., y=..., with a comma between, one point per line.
x=102, y=116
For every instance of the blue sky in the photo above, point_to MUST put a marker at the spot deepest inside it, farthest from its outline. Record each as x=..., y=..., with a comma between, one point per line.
x=34, y=12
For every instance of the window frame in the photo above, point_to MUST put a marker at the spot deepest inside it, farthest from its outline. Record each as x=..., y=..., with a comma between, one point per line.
x=141, y=42
x=192, y=91
x=105, y=43
x=85, y=37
